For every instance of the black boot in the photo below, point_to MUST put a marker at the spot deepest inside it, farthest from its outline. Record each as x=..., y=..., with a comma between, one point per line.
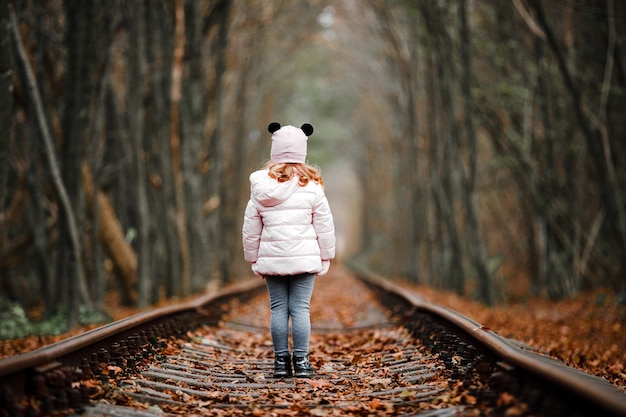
x=302, y=367
x=282, y=366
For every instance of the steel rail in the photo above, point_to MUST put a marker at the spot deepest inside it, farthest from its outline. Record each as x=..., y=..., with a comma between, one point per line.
x=451, y=331
x=593, y=389
x=13, y=369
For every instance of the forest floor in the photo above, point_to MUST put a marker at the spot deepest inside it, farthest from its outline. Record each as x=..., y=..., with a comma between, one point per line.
x=587, y=332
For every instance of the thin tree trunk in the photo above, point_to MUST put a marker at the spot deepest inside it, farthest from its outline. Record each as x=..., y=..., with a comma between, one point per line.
x=475, y=241
x=232, y=193
x=42, y=261
x=447, y=152
x=175, y=94
x=214, y=221
x=136, y=125
x=620, y=210
x=194, y=110
x=55, y=172
x=6, y=103
x=600, y=151
x=418, y=224
x=435, y=239
x=97, y=149
x=81, y=71
x=222, y=15
x=125, y=265
x=166, y=256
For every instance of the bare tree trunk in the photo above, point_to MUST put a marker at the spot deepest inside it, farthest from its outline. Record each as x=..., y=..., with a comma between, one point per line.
x=475, y=243
x=436, y=240
x=194, y=111
x=175, y=96
x=232, y=193
x=55, y=172
x=97, y=146
x=447, y=146
x=555, y=256
x=597, y=142
x=42, y=261
x=6, y=117
x=166, y=255
x=405, y=167
x=6, y=102
x=226, y=232
x=80, y=76
x=112, y=220
x=136, y=124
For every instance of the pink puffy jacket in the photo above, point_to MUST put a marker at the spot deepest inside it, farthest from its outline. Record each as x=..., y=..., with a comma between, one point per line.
x=287, y=229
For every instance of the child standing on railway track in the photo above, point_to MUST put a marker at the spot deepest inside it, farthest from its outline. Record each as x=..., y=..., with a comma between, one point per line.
x=289, y=238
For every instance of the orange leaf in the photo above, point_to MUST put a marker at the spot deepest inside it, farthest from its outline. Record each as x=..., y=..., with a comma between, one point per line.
x=375, y=403
x=506, y=399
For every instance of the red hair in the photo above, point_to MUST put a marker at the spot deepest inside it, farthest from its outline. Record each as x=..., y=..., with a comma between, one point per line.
x=284, y=171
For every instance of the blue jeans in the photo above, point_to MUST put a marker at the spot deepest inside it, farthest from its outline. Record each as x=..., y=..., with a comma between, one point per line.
x=290, y=296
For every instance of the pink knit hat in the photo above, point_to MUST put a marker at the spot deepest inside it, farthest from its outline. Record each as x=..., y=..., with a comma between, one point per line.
x=289, y=143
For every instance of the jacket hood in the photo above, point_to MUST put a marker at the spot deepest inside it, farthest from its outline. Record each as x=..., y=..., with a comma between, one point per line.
x=267, y=191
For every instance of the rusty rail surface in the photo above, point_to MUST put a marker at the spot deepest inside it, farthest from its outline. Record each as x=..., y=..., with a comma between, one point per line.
x=592, y=392
x=19, y=374
x=54, y=377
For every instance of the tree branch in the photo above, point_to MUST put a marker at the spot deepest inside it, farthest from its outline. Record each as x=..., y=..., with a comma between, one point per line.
x=532, y=25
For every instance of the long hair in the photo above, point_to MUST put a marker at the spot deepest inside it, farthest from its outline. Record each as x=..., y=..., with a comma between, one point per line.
x=284, y=171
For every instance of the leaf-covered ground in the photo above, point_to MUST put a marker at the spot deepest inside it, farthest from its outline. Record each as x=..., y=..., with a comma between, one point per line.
x=587, y=332
x=366, y=364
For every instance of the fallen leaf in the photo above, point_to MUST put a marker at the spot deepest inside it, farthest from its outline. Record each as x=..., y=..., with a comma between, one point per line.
x=506, y=399
x=318, y=383
x=384, y=382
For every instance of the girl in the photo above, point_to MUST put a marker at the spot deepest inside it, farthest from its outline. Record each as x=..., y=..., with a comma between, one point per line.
x=289, y=237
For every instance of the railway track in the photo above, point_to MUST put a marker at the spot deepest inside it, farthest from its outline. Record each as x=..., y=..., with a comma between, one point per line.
x=389, y=352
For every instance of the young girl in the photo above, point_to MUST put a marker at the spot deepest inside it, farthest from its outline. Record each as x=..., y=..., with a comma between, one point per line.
x=289, y=238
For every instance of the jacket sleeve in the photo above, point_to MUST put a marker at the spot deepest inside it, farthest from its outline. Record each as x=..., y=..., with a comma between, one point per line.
x=324, y=226
x=251, y=232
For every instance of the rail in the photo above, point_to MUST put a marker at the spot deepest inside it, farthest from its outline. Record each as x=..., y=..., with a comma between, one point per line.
x=596, y=390
x=196, y=351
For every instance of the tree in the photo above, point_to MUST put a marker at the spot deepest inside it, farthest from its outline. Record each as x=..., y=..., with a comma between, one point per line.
x=475, y=239
x=6, y=102
x=482, y=138
x=136, y=88
x=73, y=245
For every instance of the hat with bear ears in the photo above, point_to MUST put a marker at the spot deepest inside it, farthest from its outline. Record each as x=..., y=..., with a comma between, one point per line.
x=289, y=143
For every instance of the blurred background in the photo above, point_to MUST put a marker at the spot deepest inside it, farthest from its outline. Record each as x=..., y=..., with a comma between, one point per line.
x=472, y=146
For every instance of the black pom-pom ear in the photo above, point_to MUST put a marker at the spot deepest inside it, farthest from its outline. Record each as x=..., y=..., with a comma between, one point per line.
x=307, y=129
x=273, y=127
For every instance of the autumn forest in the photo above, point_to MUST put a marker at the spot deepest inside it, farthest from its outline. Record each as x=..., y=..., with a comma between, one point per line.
x=472, y=146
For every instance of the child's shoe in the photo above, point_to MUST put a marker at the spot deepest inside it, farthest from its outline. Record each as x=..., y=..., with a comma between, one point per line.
x=302, y=367
x=282, y=366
